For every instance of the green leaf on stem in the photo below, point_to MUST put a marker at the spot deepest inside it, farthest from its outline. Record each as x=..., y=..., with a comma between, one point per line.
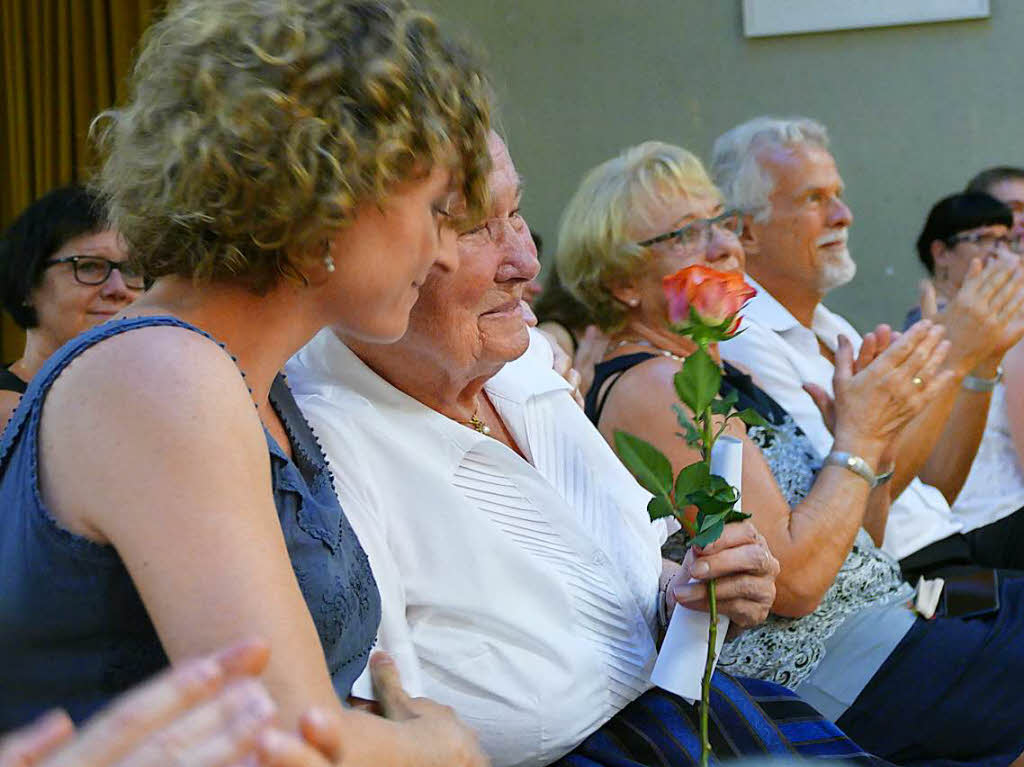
x=735, y=516
x=650, y=467
x=660, y=506
x=752, y=418
x=692, y=436
x=698, y=381
x=691, y=479
x=708, y=503
x=709, y=536
x=724, y=405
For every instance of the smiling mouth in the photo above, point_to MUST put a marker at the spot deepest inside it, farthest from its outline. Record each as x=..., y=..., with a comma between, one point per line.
x=833, y=242
x=510, y=306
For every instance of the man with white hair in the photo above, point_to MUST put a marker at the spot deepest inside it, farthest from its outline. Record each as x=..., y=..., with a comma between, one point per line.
x=780, y=174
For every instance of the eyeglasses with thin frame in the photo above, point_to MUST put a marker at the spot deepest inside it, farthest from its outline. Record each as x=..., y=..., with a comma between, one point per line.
x=95, y=270
x=989, y=242
x=696, y=235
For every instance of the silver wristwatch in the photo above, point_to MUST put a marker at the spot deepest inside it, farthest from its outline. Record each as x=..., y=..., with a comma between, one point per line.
x=858, y=466
x=973, y=383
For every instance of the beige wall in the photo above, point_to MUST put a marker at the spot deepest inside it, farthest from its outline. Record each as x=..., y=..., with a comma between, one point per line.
x=913, y=111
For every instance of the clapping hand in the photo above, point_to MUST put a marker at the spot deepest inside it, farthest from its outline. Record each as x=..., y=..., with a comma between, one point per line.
x=872, y=345
x=986, y=316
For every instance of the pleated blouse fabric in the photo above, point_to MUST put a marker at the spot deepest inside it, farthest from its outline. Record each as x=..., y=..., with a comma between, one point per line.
x=521, y=593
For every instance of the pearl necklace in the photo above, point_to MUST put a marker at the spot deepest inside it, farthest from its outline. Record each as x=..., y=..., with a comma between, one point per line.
x=642, y=342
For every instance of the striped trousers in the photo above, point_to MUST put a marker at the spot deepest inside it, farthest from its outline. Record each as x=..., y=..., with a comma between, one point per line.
x=748, y=717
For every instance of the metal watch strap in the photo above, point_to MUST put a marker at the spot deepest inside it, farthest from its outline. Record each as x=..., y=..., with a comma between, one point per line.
x=973, y=383
x=858, y=466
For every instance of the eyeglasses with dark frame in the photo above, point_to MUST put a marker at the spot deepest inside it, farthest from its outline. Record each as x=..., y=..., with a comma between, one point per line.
x=697, y=234
x=95, y=270
x=989, y=242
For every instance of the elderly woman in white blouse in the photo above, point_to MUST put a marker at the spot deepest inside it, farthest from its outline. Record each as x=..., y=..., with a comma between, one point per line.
x=519, y=572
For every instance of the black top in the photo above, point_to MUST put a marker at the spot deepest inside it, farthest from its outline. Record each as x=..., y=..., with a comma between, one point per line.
x=749, y=395
x=11, y=382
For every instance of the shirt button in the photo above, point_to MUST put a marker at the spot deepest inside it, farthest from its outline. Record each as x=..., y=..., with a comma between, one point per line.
x=599, y=558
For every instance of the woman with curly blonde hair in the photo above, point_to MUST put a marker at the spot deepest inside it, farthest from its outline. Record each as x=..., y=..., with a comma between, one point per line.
x=281, y=166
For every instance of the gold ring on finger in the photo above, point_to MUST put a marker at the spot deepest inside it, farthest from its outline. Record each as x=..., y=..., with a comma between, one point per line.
x=917, y=381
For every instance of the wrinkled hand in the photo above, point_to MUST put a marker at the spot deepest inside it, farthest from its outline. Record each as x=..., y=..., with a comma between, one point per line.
x=744, y=569
x=562, y=364
x=204, y=713
x=875, y=403
x=872, y=345
x=986, y=316
x=432, y=730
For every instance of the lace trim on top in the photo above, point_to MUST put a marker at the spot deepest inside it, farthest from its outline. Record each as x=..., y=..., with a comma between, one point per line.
x=787, y=650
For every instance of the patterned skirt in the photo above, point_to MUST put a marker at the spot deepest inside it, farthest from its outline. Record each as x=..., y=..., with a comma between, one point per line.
x=748, y=717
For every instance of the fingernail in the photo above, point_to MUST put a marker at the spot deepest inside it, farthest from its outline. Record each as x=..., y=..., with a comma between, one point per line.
x=317, y=719
x=381, y=659
x=254, y=699
x=205, y=671
x=272, y=742
x=700, y=569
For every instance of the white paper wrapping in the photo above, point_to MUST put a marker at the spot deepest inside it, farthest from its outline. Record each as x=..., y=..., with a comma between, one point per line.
x=680, y=664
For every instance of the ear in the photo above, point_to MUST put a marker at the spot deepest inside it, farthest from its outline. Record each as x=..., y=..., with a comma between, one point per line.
x=748, y=238
x=940, y=253
x=626, y=293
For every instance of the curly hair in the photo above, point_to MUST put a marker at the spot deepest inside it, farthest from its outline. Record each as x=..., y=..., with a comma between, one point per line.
x=256, y=127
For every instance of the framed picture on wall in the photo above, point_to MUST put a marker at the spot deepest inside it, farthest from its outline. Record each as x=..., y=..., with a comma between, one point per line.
x=765, y=18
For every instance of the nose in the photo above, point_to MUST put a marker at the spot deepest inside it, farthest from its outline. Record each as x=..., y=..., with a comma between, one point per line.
x=519, y=256
x=447, y=250
x=114, y=287
x=840, y=215
x=722, y=246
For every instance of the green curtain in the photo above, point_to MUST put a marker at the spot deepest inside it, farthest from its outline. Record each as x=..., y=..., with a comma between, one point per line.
x=61, y=63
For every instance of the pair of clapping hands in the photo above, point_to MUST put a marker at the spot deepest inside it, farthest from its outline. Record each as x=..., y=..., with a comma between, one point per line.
x=894, y=377
x=878, y=392
x=213, y=712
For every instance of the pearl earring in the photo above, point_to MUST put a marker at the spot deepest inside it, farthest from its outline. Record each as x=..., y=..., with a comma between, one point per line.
x=329, y=263
x=634, y=302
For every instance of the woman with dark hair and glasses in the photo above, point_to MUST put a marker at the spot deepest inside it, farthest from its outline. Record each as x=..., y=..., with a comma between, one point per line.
x=62, y=270
x=961, y=229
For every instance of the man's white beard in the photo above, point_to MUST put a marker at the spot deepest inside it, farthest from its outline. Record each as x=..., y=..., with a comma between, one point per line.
x=836, y=269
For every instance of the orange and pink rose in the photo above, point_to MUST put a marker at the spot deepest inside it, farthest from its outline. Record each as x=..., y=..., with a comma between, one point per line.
x=699, y=294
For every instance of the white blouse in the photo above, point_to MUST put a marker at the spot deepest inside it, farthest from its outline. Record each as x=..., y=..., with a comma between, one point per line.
x=522, y=594
x=994, y=488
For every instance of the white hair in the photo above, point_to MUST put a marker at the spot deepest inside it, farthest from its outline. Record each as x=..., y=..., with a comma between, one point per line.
x=735, y=159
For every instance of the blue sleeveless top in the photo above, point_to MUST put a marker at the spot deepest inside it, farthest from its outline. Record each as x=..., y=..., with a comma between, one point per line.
x=73, y=630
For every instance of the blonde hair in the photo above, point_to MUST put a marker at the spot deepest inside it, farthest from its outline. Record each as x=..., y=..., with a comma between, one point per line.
x=596, y=244
x=255, y=128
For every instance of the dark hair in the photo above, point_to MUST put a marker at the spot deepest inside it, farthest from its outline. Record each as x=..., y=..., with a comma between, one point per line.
x=958, y=213
x=556, y=304
x=989, y=177
x=39, y=232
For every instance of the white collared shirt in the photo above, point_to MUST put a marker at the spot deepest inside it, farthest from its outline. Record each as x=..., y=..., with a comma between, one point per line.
x=782, y=355
x=521, y=593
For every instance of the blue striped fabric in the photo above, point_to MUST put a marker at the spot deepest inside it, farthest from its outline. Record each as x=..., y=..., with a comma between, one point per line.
x=748, y=718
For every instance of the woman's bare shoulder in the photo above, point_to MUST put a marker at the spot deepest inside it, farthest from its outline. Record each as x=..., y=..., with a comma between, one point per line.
x=158, y=412
x=147, y=366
